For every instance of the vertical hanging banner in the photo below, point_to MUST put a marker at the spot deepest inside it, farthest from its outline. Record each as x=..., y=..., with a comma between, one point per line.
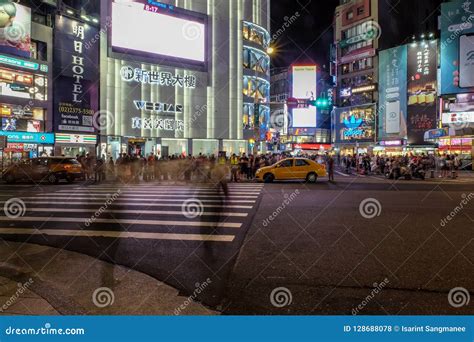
x=76, y=75
x=392, y=93
x=422, y=90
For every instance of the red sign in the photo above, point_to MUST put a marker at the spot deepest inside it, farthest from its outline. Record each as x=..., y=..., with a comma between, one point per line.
x=15, y=147
x=312, y=147
x=358, y=54
x=292, y=102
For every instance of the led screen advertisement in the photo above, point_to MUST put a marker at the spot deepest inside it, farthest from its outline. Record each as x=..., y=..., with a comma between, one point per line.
x=304, y=82
x=457, y=47
x=158, y=31
x=15, y=29
x=392, y=123
x=422, y=90
x=304, y=117
x=76, y=73
x=355, y=124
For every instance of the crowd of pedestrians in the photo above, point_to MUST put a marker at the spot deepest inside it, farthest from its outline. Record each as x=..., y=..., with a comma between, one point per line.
x=444, y=164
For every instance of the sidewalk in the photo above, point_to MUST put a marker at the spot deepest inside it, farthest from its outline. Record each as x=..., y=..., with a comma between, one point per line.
x=39, y=280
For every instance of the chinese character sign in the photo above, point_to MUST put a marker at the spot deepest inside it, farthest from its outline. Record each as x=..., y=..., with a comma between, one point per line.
x=392, y=93
x=166, y=79
x=76, y=72
x=422, y=90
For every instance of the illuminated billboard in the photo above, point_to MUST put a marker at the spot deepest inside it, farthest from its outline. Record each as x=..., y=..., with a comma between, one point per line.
x=149, y=28
x=15, y=29
x=304, y=117
x=304, y=80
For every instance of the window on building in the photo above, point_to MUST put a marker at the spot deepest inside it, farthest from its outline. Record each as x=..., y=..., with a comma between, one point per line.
x=39, y=50
x=350, y=15
x=360, y=10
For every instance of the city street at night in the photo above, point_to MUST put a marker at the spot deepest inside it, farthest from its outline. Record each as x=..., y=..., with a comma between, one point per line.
x=315, y=241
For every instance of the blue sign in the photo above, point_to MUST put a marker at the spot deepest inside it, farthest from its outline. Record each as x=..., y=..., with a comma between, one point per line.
x=353, y=126
x=457, y=24
x=392, y=111
x=29, y=138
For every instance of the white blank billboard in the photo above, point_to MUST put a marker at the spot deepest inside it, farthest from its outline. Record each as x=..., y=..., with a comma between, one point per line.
x=304, y=82
x=304, y=117
x=134, y=28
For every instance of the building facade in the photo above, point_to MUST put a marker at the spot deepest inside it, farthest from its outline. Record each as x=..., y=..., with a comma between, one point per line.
x=355, y=65
x=25, y=75
x=195, y=95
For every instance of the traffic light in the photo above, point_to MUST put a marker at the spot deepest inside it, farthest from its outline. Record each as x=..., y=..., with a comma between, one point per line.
x=321, y=103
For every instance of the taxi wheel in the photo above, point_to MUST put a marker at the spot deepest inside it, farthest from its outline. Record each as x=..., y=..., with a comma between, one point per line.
x=70, y=179
x=268, y=178
x=53, y=179
x=311, y=177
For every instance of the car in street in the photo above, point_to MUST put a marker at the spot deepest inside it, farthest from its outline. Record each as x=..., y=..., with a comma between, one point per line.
x=50, y=169
x=292, y=169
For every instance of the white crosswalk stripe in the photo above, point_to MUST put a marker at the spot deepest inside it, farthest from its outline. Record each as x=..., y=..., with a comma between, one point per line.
x=153, y=212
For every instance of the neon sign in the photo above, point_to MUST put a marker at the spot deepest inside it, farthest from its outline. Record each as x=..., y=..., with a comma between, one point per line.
x=353, y=126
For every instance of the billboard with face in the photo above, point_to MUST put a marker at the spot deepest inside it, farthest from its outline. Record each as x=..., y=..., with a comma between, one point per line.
x=15, y=29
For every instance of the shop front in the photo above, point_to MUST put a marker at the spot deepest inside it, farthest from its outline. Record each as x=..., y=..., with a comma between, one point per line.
x=23, y=145
x=72, y=145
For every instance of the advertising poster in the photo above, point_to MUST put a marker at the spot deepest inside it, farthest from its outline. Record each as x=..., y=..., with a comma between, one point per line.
x=457, y=49
x=392, y=93
x=76, y=72
x=15, y=29
x=304, y=81
x=422, y=90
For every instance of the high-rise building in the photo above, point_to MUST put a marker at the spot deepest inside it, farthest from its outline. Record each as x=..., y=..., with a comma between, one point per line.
x=361, y=29
x=188, y=77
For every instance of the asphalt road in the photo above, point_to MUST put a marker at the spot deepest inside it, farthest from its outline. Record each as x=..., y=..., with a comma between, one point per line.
x=283, y=248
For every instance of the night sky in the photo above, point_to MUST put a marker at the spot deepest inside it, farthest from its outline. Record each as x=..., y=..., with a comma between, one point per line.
x=309, y=37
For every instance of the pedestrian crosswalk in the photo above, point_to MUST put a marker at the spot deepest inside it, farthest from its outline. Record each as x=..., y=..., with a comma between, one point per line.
x=152, y=212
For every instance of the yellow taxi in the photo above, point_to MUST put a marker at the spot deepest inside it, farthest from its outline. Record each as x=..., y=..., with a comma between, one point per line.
x=292, y=169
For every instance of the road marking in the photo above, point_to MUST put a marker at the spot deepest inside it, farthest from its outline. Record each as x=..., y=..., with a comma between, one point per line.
x=140, y=212
x=254, y=193
x=342, y=174
x=118, y=235
x=159, y=196
x=143, y=204
x=180, y=200
x=130, y=222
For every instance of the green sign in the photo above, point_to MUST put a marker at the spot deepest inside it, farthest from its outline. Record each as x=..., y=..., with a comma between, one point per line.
x=22, y=63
